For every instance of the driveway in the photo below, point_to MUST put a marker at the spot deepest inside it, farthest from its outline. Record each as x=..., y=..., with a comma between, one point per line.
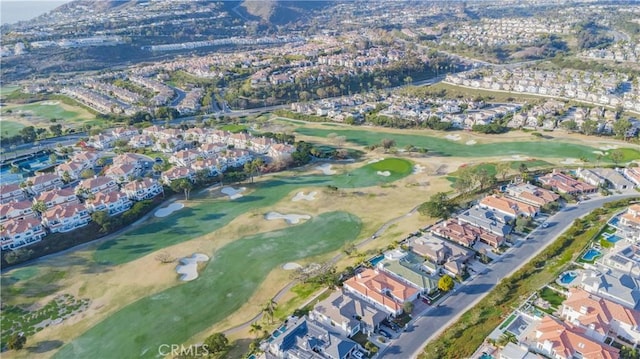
x=433, y=322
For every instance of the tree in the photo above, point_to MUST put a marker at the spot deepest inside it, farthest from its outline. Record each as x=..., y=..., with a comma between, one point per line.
x=17, y=341
x=39, y=207
x=387, y=143
x=255, y=329
x=182, y=184
x=621, y=127
x=616, y=156
x=372, y=348
x=53, y=158
x=589, y=127
x=522, y=223
x=484, y=178
x=269, y=309
x=217, y=343
x=250, y=168
x=445, y=283
x=506, y=338
x=407, y=307
x=88, y=173
x=66, y=177
x=438, y=206
x=102, y=161
x=503, y=168
x=102, y=219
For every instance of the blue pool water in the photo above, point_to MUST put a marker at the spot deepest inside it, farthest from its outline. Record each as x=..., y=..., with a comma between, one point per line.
x=591, y=254
x=614, y=221
x=486, y=356
x=568, y=277
x=613, y=238
x=375, y=260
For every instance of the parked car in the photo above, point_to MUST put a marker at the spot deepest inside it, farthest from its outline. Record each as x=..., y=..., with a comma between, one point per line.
x=545, y=224
x=385, y=334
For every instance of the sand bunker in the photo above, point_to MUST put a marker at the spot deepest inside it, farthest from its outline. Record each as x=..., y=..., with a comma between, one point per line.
x=608, y=147
x=49, y=103
x=291, y=266
x=326, y=169
x=453, y=137
x=233, y=193
x=471, y=142
x=515, y=158
x=307, y=197
x=570, y=161
x=188, y=266
x=384, y=173
x=418, y=169
x=289, y=218
x=376, y=160
x=165, y=211
x=598, y=153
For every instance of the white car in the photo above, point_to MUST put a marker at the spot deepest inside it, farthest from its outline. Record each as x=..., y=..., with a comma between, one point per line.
x=545, y=224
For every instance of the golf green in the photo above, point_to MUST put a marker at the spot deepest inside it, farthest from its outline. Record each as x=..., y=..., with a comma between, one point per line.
x=211, y=214
x=50, y=110
x=444, y=147
x=228, y=281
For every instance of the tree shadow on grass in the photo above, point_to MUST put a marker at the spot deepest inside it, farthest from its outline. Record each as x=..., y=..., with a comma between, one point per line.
x=45, y=346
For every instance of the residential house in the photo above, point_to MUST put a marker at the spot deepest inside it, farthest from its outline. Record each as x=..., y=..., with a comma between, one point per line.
x=591, y=177
x=633, y=174
x=145, y=188
x=16, y=210
x=565, y=184
x=240, y=140
x=65, y=218
x=236, y=157
x=530, y=194
x=124, y=132
x=213, y=166
x=57, y=196
x=101, y=142
x=457, y=231
x=261, y=145
x=212, y=149
x=184, y=158
x=130, y=159
x=304, y=338
x=16, y=233
x=140, y=141
x=349, y=313
x=167, y=145
x=11, y=192
x=511, y=208
x=281, y=152
x=487, y=220
x=631, y=218
x=382, y=290
x=600, y=318
x=88, y=158
x=613, y=179
x=74, y=169
x=175, y=173
x=96, y=184
x=218, y=136
x=409, y=270
x=43, y=182
x=122, y=172
x=612, y=284
x=113, y=203
x=560, y=341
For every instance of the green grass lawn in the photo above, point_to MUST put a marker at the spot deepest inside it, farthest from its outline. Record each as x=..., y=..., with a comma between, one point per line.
x=5, y=90
x=628, y=154
x=227, y=282
x=541, y=148
x=48, y=110
x=554, y=298
x=233, y=128
x=10, y=128
x=211, y=214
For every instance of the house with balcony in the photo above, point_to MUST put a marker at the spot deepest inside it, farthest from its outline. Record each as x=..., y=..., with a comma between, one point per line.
x=140, y=190
x=16, y=233
x=601, y=318
x=555, y=339
x=240, y=140
x=530, y=194
x=631, y=218
x=213, y=166
x=382, y=290
x=261, y=145
x=43, y=182
x=281, y=152
x=487, y=220
x=219, y=136
x=140, y=141
x=508, y=208
x=57, y=196
x=122, y=173
x=212, y=149
x=184, y=158
x=563, y=183
x=633, y=175
x=74, y=169
x=409, y=269
x=236, y=157
x=348, y=313
x=16, y=210
x=94, y=185
x=124, y=132
x=101, y=142
x=88, y=158
x=11, y=192
x=65, y=218
x=175, y=173
x=458, y=232
x=133, y=159
x=167, y=145
x=113, y=203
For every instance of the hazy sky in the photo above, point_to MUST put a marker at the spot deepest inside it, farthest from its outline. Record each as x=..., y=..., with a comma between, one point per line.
x=16, y=10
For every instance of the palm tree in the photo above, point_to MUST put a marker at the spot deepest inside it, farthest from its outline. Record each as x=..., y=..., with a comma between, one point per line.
x=39, y=207
x=255, y=329
x=269, y=309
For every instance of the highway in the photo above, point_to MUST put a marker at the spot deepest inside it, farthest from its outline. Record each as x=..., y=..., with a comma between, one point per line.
x=431, y=323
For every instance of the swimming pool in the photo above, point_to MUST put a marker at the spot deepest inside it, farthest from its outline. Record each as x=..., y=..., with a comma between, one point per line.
x=591, y=254
x=612, y=237
x=486, y=356
x=568, y=277
x=375, y=260
x=614, y=221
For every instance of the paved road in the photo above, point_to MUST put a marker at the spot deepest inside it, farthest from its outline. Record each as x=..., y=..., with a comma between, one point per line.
x=428, y=326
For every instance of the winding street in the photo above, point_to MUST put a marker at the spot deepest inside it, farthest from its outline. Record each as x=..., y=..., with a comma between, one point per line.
x=432, y=322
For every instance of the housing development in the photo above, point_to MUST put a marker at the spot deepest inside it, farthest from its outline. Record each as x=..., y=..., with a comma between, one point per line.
x=340, y=179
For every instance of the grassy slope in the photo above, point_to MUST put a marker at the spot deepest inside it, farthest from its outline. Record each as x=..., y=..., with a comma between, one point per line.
x=231, y=277
x=444, y=147
x=209, y=215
